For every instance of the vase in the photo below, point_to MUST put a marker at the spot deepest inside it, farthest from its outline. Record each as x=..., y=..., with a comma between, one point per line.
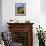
x=41, y=43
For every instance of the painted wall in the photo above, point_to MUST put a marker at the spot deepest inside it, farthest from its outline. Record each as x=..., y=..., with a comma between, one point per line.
x=33, y=13
x=43, y=14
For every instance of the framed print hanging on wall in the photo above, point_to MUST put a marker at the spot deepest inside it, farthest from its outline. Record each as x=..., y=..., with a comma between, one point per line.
x=20, y=9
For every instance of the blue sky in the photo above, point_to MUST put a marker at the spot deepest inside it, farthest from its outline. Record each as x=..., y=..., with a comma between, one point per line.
x=19, y=4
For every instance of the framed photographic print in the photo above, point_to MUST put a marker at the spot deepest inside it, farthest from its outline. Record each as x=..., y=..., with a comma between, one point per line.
x=20, y=9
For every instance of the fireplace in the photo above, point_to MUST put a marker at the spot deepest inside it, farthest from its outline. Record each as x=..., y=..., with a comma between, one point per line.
x=20, y=38
x=22, y=33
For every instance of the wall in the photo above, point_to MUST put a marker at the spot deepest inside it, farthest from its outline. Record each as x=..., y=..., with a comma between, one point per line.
x=8, y=11
x=43, y=14
x=43, y=6
x=33, y=13
x=0, y=15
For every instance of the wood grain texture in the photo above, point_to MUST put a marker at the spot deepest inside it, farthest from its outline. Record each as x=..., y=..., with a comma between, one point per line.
x=22, y=27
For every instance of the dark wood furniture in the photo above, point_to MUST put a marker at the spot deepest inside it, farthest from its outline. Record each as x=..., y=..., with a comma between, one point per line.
x=22, y=33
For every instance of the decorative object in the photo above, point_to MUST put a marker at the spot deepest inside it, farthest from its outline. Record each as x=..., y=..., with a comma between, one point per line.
x=20, y=9
x=41, y=36
x=13, y=21
x=27, y=21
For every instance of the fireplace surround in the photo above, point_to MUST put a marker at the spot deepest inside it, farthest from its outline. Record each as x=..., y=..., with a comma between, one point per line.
x=22, y=33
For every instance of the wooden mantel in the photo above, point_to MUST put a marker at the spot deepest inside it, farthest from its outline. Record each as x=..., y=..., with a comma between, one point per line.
x=23, y=27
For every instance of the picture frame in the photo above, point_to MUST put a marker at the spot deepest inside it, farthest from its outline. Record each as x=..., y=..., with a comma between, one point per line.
x=20, y=9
